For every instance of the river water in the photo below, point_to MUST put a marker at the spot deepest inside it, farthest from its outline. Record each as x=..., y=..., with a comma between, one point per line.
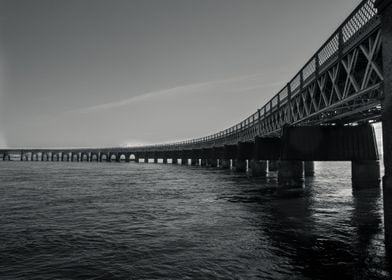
x=154, y=221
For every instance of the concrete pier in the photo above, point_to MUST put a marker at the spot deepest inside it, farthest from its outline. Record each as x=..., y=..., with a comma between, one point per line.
x=244, y=152
x=194, y=161
x=385, y=10
x=184, y=161
x=174, y=161
x=203, y=162
x=365, y=174
x=225, y=164
x=258, y=168
x=273, y=165
x=240, y=165
x=309, y=168
x=291, y=174
x=164, y=160
x=212, y=163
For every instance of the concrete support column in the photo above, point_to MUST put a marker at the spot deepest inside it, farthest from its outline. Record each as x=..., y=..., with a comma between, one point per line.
x=258, y=168
x=146, y=160
x=273, y=165
x=365, y=174
x=194, y=161
x=385, y=11
x=225, y=164
x=244, y=152
x=309, y=168
x=212, y=163
x=184, y=161
x=164, y=160
x=203, y=162
x=174, y=161
x=155, y=160
x=240, y=165
x=291, y=174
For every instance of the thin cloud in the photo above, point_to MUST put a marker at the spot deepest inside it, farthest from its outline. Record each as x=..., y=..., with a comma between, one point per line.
x=228, y=85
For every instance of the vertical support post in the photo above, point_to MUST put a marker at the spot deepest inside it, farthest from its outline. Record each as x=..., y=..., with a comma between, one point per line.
x=291, y=174
x=385, y=10
x=290, y=117
x=309, y=168
x=273, y=165
x=365, y=174
x=240, y=161
x=258, y=167
x=225, y=164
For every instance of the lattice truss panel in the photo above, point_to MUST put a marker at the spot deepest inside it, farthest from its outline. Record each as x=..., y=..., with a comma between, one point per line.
x=348, y=90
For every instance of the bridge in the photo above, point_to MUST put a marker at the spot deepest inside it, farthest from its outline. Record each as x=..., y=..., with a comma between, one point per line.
x=324, y=113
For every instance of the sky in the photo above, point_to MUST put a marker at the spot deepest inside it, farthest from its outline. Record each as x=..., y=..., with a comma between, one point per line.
x=104, y=73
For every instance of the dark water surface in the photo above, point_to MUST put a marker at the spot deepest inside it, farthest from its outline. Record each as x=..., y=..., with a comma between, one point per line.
x=146, y=221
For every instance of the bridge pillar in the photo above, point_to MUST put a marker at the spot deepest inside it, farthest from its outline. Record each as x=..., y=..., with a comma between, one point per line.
x=155, y=160
x=258, y=167
x=273, y=165
x=385, y=10
x=244, y=152
x=291, y=174
x=174, y=161
x=164, y=160
x=184, y=161
x=203, y=162
x=240, y=165
x=225, y=164
x=216, y=154
x=194, y=161
x=309, y=168
x=365, y=174
x=211, y=162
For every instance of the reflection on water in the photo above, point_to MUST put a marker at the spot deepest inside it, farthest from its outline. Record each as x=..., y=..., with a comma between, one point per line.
x=139, y=221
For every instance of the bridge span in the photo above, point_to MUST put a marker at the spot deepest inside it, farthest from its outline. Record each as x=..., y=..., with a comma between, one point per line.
x=324, y=113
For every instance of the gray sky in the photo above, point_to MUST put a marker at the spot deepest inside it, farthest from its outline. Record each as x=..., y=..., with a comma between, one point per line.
x=122, y=72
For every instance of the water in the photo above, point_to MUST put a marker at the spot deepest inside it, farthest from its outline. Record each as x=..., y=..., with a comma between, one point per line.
x=146, y=221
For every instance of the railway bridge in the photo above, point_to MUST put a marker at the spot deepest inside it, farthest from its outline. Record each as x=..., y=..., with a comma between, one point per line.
x=324, y=113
